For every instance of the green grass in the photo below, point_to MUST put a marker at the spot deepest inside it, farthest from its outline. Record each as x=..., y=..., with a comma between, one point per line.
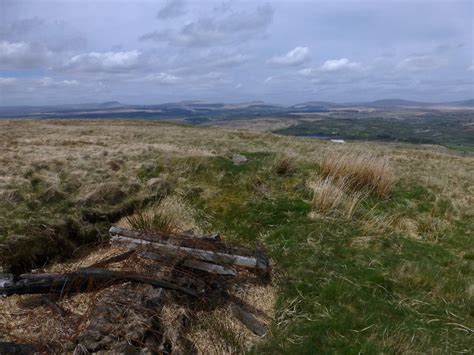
x=344, y=286
x=393, y=294
x=452, y=130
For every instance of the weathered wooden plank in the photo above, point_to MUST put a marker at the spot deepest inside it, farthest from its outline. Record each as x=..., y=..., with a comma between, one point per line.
x=20, y=349
x=205, y=255
x=86, y=279
x=249, y=320
x=208, y=267
x=53, y=306
x=114, y=259
x=208, y=242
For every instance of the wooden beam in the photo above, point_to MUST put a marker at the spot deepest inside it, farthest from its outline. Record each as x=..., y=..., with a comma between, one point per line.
x=249, y=320
x=83, y=280
x=210, y=242
x=205, y=255
x=113, y=259
x=13, y=348
x=208, y=267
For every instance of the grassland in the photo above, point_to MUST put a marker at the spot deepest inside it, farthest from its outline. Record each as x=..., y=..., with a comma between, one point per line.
x=395, y=275
x=452, y=129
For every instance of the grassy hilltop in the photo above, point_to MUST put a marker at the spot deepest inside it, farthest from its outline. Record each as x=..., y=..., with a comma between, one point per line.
x=372, y=243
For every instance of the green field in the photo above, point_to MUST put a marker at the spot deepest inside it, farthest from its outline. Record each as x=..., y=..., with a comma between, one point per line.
x=396, y=276
x=454, y=130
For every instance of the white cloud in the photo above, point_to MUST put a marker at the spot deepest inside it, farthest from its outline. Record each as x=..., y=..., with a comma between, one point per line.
x=22, y=55
x=307, y=71
x=471, y=68
x=268, y=79
x=105, y=61
x=334, y=65
x=418, y=63
x=162, y=78
x=50, y=82
x=296, y=56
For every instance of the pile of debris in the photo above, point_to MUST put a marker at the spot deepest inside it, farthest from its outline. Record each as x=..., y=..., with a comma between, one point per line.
x=147, y=295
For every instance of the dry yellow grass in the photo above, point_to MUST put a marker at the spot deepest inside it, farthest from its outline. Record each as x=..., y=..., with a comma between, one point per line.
x=327, y=196
x=83, y=151
x=95, y=157
x=330, y=197
x=360, y=171
x=172, y=214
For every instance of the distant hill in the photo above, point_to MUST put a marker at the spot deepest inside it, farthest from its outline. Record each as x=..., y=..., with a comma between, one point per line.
x=464, y=103
x=395, y=103
x=193, y=109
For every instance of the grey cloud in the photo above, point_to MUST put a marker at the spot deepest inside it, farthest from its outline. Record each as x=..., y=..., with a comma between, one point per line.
x=57, y=36
x=230, y=61
x=203, y=79
x=21, y=27
x=204, y=32
x=55, y=48
x=23, y=55
x=172, y=9
x=418, y=63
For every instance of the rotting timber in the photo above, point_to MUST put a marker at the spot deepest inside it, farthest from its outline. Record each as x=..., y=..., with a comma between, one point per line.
x=193, y=271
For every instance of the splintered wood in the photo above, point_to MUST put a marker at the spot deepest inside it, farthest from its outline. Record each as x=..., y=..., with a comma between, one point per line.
x=130, y=291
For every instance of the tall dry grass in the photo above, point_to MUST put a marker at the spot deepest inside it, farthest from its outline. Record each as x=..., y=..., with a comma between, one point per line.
x=171, y=215
x=329, y=197
x=359, y=171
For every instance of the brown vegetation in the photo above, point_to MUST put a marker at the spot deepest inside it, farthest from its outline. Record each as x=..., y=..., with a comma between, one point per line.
x=359, y=171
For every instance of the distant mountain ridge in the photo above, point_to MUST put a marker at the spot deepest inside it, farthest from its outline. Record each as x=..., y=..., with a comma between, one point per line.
x=196, y=108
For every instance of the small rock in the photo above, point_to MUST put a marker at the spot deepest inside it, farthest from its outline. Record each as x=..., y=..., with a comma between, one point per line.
x=154, y=182
x=238, y=159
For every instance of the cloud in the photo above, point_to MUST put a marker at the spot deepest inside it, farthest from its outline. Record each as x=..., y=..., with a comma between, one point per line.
x=418, y=63
x=268, y=79
x=332, y=66
x=230, y=61
x=296, y=56
x=4, y=82
x=471, y=68
x=21, y=27
x=227, y=29
x=199, y=80
x=342, y=64
x=162, y=78
x=172, y=9
x=50, y=82
x=56, y=35
x=22, y=55
x=105, y=61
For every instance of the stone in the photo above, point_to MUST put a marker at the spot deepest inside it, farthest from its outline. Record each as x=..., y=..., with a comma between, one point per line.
x=154, y=182
x=239, y=159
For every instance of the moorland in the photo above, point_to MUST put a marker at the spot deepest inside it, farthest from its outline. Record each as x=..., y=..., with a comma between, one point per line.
x=371, y=241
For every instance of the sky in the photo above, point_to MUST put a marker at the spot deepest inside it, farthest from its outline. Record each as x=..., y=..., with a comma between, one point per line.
x=280, y=52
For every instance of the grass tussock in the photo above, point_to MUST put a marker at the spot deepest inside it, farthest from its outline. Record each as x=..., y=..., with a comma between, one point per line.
x=171, y=215
x=151, y=221
x=329, y=197
x=359, y=171
x=284, y=166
